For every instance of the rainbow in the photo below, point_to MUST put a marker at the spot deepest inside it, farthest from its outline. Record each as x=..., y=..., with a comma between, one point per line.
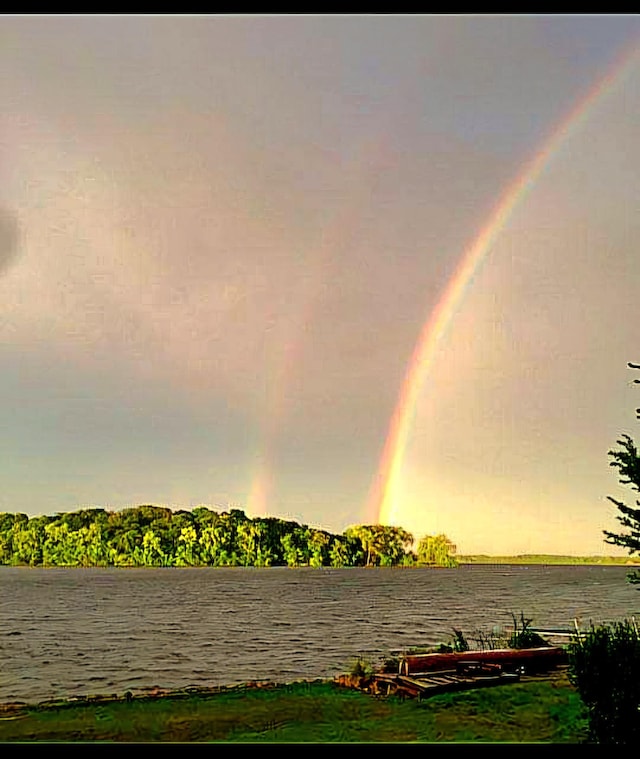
x=383, y=504
x=322, y=263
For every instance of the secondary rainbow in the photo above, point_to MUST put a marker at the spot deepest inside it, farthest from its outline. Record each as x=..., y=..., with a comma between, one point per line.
x=320, y=270
x=383, y=504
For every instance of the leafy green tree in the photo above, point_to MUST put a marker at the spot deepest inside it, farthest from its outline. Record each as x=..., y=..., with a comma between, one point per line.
x=55, y=547
x=289, y=550
x=354, y=549
x=366, y=536
x=203, y=517
x=295, y=547
x=187, y=551
x=6, y=525
x=339, y=555
x=275, y=529
x=77, y=548
x=303, y=536
x=410, y=559
x=393, y=544
x=97, y=550
x=127, y=546
x=436, y=551
x=217, y=542
x=298, y=545
x=152, y=553
x=318, y=543
x=266, y=542
x=227, y=533
x=168, y=530
x=382, y=545
x=208, y=544
x=27, y=538
x=75, y=520
x=247, y=542
x=627, y=461
x=146, y=515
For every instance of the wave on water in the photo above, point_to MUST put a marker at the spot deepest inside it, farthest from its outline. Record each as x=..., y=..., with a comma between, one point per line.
x=287, y=625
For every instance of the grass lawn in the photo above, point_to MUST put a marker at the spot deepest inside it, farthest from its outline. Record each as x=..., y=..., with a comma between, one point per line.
x=546, y=711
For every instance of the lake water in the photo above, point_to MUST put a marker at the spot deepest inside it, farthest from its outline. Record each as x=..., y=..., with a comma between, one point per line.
x=66, y=632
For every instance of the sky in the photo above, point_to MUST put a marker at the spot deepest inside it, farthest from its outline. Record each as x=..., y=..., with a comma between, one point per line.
x=334, y=269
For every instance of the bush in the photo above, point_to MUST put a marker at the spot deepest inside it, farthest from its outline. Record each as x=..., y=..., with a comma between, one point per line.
x=361, y=668
x=459, y=641
x=523, y=636
x=604, y=665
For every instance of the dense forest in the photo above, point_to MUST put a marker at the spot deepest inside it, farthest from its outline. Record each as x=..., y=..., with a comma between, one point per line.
x=153, y=536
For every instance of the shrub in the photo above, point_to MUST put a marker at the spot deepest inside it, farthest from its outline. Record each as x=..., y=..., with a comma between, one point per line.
x=459, y=641
x=524, y=637
x=604, y=665
x=361, y=668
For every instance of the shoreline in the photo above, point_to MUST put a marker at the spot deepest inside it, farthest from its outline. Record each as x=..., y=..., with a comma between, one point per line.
x=309, y=711
x=462, y=561
x=155, y=693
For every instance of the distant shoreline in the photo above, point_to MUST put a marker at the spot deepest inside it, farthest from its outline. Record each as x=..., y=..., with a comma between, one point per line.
x=480, y=559
x=550, y=559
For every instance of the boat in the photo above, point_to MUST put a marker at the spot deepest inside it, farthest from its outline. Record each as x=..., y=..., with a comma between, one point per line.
x=531, y=659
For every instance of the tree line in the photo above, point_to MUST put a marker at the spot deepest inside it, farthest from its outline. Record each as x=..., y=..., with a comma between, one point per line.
x=154, y=536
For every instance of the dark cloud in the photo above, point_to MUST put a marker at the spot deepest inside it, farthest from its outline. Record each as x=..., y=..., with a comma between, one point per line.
x=9, y=239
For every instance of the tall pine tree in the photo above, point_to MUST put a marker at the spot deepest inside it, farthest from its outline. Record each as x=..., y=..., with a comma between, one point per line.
x=627, y=461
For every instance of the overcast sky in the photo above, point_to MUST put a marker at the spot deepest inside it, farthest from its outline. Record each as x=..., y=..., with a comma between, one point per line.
x=220, y=238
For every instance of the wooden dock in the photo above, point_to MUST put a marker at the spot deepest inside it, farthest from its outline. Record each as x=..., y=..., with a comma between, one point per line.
x=424, y=675
x=434, y=683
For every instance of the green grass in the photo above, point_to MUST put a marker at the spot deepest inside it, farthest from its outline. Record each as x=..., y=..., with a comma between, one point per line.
x=536, y=711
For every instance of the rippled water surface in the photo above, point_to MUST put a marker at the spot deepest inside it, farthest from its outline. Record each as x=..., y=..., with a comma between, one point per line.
x=66, y=632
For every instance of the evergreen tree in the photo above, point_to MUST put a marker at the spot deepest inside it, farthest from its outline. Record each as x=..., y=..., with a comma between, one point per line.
x=627, y=461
